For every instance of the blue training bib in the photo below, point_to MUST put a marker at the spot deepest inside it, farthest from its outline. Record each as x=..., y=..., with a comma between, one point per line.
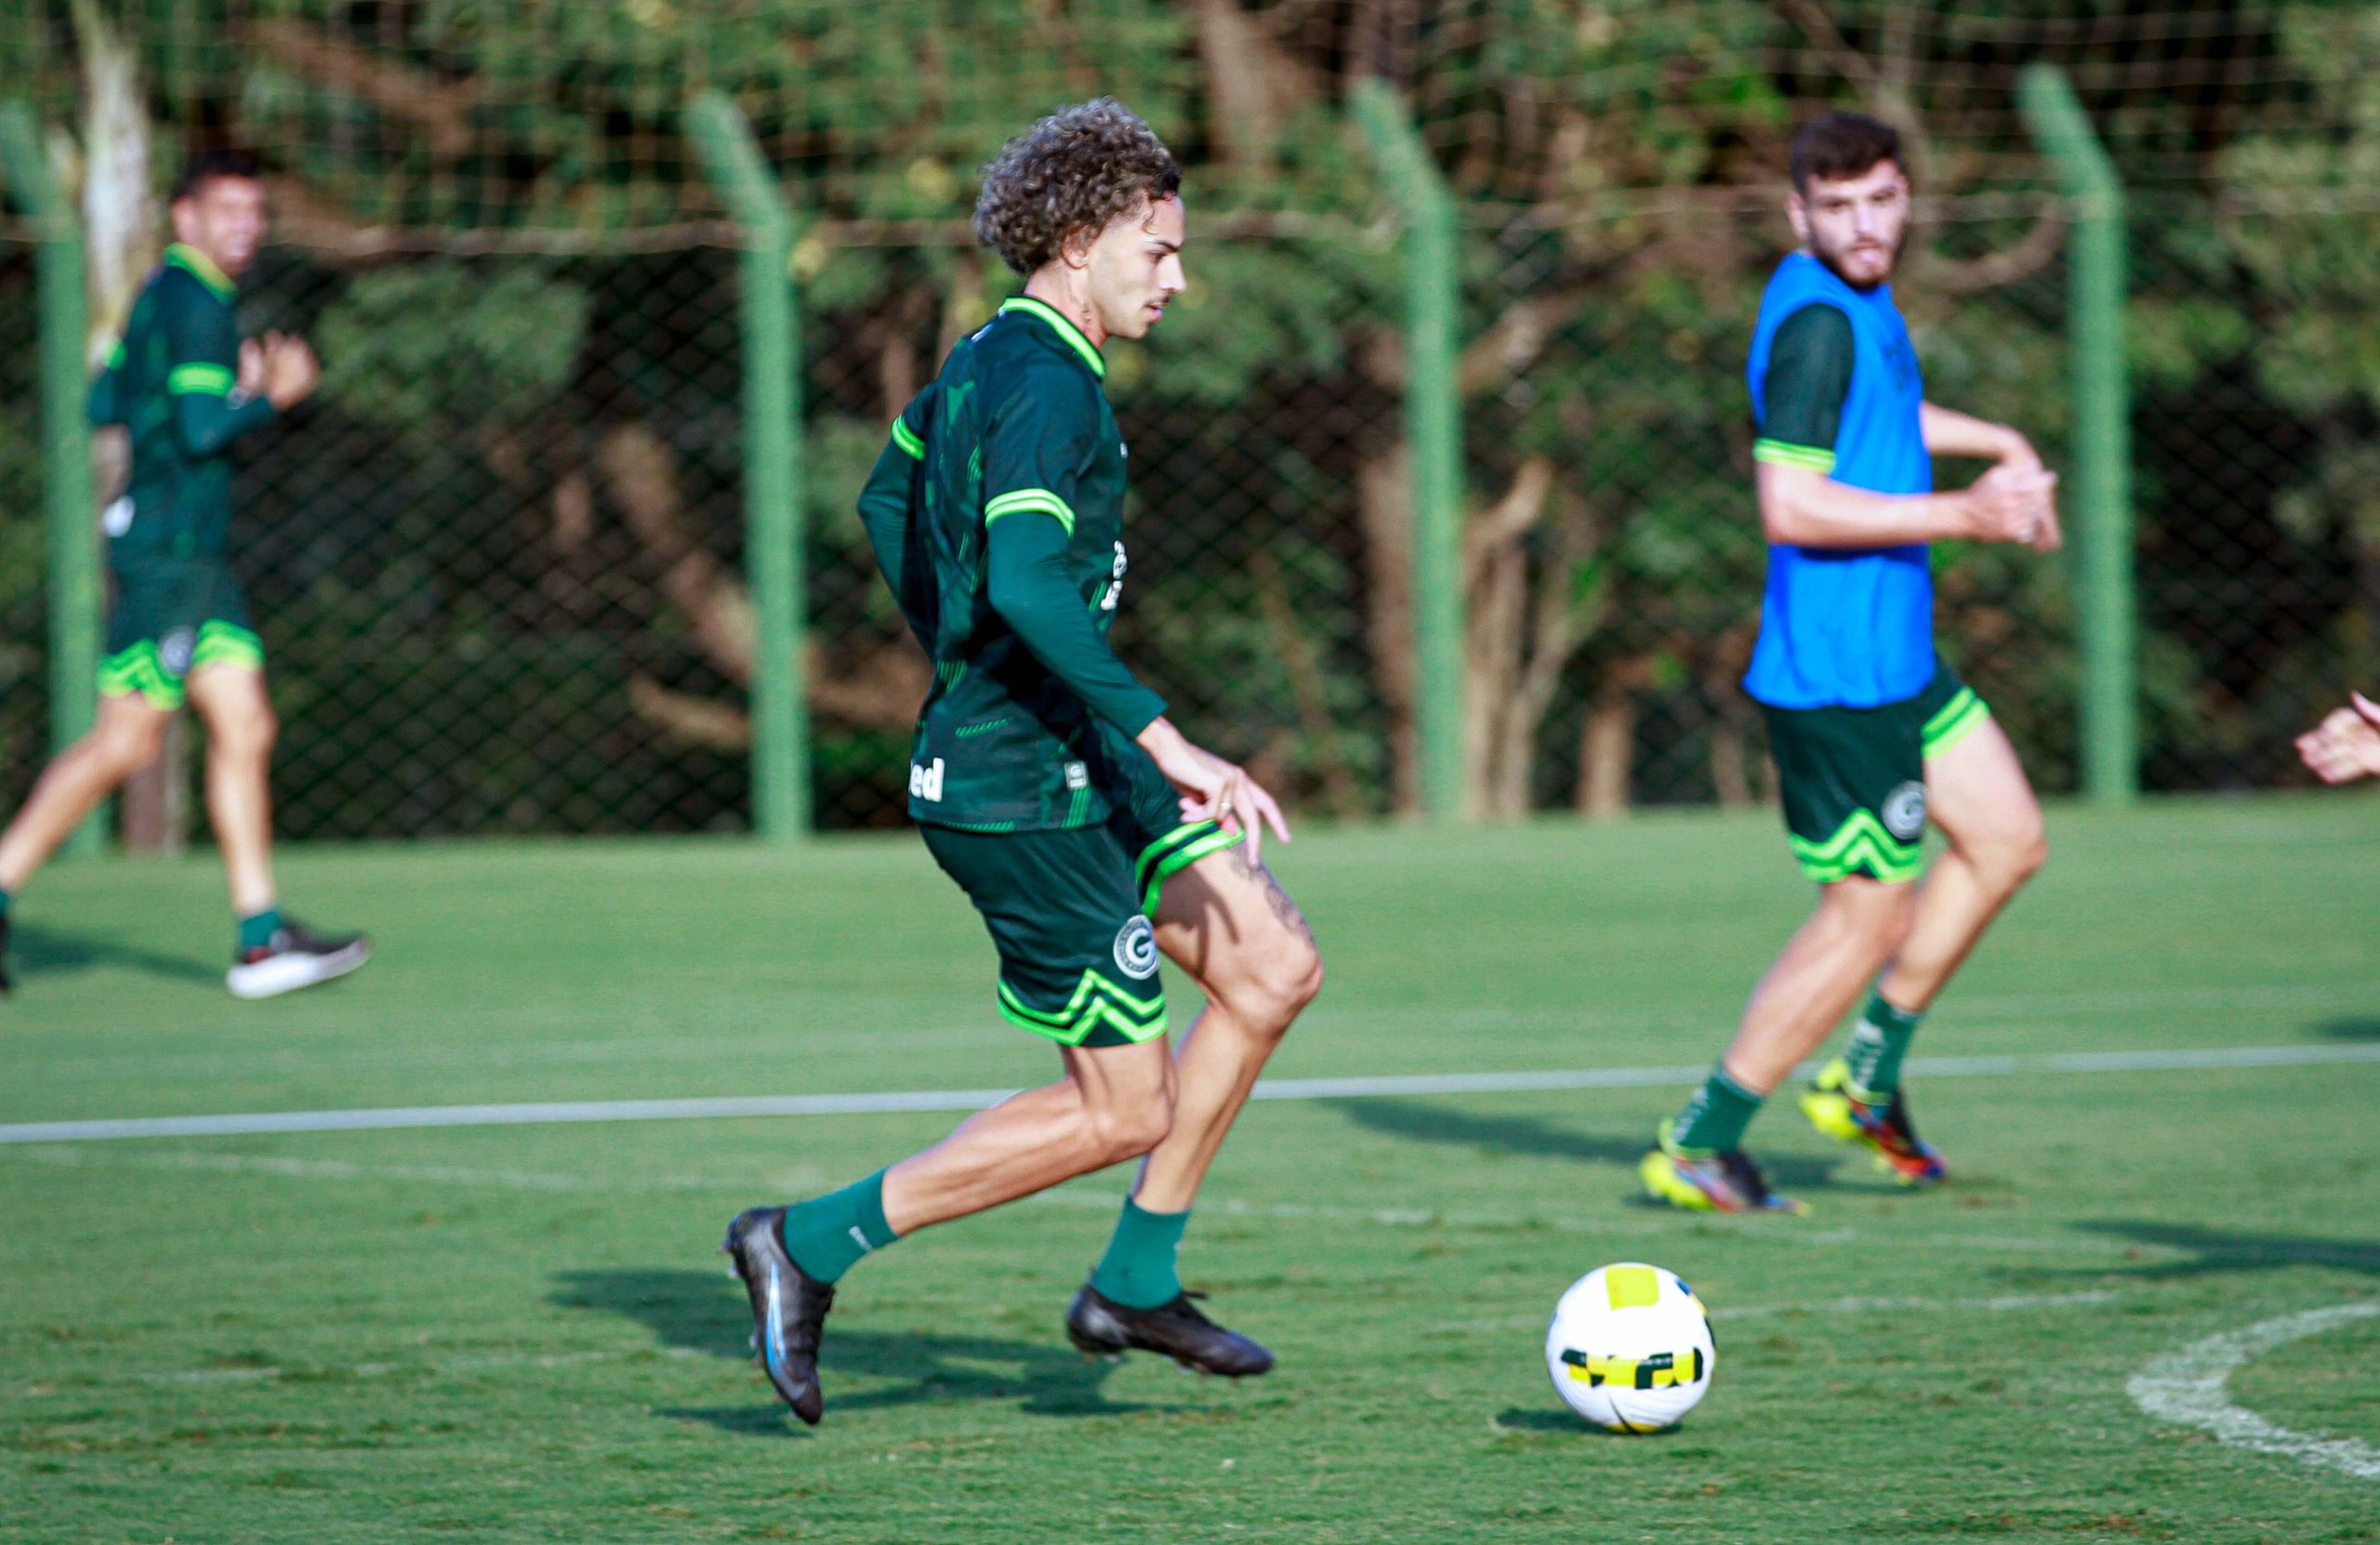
x=1850, y=627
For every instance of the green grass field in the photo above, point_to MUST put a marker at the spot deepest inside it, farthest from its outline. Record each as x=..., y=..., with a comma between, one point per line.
x=520, y=1332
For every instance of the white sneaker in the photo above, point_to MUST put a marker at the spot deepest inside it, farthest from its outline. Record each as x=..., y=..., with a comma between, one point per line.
x=295, y=959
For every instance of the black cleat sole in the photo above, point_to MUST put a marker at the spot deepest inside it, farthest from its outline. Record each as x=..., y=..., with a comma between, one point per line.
x=1102, y=1328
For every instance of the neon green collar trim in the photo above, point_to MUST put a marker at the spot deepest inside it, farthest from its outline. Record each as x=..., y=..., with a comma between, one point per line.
x=201, y=268
x=1066, y=330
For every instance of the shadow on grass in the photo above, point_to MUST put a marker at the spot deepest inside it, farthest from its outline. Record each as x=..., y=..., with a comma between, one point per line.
x=2221, y=1250
x=707, y=1313
x=1526, y=1420
x=1435, y=1121
x=2350, y=1027
x=35, y=951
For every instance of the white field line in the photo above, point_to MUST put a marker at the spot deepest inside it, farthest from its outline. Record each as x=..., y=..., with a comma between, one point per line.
x=677, y=1049
x=2187, y=1058
x=2187, y=1387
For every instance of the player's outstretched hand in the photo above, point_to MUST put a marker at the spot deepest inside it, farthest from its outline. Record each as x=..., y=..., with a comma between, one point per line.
x=2048, y=537
x=2011, y=503
x=2346, y=746
x=1214, y=789
x=291, y=372
x=250, y=381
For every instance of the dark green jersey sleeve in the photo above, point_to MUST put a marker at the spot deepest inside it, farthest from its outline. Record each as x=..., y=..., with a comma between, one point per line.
x=1809, y=375
x=1029, y=587
x=1040, y=437
x=203, y=343
x=886, y=504
x=105, y=404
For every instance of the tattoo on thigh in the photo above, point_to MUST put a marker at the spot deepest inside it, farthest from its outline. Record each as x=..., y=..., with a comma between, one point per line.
x=1286, y=909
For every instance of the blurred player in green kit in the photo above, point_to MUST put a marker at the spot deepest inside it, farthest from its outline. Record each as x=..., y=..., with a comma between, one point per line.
x=185, y=388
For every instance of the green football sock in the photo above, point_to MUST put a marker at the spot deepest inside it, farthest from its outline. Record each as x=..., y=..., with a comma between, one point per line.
x=258, y=928
x=1139, y=1269
x=1716, y=1115
x=826, y=1234
x=1878, y=1043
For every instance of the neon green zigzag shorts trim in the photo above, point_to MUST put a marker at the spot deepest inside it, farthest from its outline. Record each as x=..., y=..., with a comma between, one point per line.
x=1175, y=851
x=1078, y=959
x=1852, y=780
x=146, y=666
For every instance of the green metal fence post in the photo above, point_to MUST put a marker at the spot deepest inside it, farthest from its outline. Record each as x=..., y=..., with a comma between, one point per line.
x=1433, y=425
x=72, y=537
x=773, y=491
x=2101, y=475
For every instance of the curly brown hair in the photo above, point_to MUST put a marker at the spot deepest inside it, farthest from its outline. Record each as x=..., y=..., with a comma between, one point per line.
x=1074, y=171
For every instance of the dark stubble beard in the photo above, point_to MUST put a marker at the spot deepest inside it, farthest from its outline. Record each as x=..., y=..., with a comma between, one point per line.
x=1891, y=267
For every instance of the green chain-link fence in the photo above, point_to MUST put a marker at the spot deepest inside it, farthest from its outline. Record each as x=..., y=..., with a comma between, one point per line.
x=500, y=566
x=24, y=656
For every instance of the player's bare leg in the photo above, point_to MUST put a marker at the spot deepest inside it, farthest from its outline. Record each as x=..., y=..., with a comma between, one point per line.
x=1227, y=922
x=276, y=954
x=1860, y=924
x=128, y=735
x=127, y=738
x=1113, y=1105
x=1700, y=1162
x=230, y=701
x=1977, y=793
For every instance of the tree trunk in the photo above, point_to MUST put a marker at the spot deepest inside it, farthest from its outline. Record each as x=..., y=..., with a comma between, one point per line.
x=120, y=245
x=120, y=216
x=1254, y=86
x=1732, y=769
x=1607, y=742
x=1729, y=775
x=1605, y=748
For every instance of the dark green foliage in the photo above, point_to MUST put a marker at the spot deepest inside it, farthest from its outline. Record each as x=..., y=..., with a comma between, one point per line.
x=1619, y=166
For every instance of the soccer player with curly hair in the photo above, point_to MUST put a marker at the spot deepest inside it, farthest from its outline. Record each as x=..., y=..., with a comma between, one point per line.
x=1050, y=784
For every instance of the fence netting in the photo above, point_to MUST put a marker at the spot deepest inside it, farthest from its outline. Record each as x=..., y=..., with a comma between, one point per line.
x=497, y=565
x=24, y=636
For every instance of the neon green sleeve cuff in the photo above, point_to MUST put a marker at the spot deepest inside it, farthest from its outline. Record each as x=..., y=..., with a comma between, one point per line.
x=1784, y=453
x=1023, y=499
x=214, y=380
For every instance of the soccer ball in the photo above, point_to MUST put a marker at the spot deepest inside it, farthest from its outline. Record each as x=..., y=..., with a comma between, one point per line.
x=1630, y=1348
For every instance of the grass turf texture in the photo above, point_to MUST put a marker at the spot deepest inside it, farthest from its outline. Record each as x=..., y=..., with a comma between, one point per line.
x=521, y=1333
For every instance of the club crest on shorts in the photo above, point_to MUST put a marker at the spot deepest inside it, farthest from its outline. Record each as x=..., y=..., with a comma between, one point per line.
x=1136, y=949
x=1905, y=811
x=174, y=651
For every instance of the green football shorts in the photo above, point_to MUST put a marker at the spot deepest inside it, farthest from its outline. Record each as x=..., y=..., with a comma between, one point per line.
x=1148, y=817
x=1077, y=957
x=1069, y=910
x=171, y=616
x=1852, y=780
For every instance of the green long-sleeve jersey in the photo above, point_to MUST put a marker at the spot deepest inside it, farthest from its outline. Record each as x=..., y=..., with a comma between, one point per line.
x=170, y=383
x=995, y=512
